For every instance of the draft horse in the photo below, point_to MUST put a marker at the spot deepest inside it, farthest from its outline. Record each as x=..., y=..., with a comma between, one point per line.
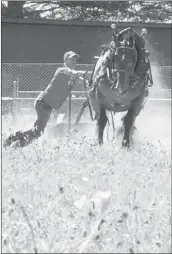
x=119, y=83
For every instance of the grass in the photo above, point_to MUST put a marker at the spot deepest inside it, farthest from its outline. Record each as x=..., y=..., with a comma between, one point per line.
x=49, y=203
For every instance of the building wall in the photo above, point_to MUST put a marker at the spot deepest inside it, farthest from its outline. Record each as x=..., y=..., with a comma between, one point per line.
x=27, y=41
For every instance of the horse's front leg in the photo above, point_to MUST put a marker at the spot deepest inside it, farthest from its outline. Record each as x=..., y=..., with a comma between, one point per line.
x=129, y=119
x=128, y=122
x=101, y=123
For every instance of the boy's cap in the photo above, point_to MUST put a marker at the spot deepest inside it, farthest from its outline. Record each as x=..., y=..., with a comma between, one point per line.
x=70, y=54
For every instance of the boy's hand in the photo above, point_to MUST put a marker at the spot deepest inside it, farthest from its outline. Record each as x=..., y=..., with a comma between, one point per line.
x=81, y=73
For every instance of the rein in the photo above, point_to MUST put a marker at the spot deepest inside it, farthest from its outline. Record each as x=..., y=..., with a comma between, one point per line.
x=87, y=101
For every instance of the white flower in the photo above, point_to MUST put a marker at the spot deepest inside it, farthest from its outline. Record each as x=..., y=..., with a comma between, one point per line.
x=100, y=201
x=81, y=202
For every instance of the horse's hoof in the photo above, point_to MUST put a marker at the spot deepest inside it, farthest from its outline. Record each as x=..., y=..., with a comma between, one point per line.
x=125, y=143
x=100, y=142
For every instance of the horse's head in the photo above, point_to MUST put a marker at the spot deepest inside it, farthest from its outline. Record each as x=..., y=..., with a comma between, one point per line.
x=124, y=61
x=120, y=61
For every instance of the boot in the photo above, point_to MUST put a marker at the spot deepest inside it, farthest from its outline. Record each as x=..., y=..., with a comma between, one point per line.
x=18, y=136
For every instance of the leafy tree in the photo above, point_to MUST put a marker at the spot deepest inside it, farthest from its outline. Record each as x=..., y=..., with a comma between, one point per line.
x=115, y=11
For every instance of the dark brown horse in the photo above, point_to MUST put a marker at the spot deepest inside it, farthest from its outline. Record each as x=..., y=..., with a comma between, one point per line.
x=120, y=83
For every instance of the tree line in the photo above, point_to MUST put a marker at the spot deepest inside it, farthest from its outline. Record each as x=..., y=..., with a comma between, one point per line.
x=116, y=11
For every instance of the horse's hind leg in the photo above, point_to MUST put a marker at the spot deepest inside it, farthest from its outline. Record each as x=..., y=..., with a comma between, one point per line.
x=101, y=123
x=129, y=119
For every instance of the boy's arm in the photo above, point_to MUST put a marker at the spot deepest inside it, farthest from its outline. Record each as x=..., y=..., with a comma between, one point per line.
x=71, y=73
x=79, y=79
x=74, y=75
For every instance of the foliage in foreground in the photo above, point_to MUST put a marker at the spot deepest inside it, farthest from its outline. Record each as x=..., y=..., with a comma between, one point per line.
x=47, y=190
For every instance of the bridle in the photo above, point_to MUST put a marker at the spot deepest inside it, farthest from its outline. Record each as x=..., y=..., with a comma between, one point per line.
x=111, y=71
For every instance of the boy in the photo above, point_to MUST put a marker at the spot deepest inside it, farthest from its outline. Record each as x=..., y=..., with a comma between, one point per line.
x=51, y=98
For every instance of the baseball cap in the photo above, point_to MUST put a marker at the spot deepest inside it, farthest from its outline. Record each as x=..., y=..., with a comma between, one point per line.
x=70, y=54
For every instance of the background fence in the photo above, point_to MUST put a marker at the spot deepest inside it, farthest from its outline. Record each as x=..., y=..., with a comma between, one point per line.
x=21, y=84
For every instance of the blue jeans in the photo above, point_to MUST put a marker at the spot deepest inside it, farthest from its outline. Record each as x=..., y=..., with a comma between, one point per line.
x=43, y=114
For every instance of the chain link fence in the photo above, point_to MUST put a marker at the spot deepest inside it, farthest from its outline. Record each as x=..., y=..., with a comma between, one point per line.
x=31, y=79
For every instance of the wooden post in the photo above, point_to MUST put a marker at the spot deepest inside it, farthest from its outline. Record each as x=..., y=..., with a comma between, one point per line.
x=14, y=98
x=69, y=111
x=85, y=104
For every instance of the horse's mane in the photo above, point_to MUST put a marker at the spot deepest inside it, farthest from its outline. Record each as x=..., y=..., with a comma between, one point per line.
x=107, y=47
